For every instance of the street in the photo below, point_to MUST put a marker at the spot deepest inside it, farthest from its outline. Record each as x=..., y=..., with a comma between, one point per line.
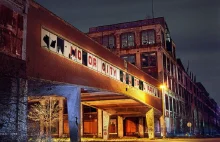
x=157, y=140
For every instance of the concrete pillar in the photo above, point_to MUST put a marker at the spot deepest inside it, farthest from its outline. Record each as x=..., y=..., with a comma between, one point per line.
x=150, y=123
x=61, y=117
x=106, y=118
x=162, y=127
x=141, y=127
x=73, y=106
x=100, y=122
x=120, y=127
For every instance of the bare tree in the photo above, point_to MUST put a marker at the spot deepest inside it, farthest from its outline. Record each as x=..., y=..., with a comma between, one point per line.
x=46, y=114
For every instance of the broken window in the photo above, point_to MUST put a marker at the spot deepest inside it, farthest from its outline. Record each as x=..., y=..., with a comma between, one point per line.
x=129, y=58
x=148, y=37
x=148, y=59
x=127, y=40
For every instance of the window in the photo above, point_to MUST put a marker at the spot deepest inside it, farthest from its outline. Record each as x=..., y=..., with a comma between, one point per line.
x=121, y=76
x=168, y=64
x=141, y=85
x=132, y=81
x=127, y=40
x=10, y=40
x=171, y=104
x=148, y=37
x=127, y=78
x=174, y=106
x=60, y=45
x=167, y=103
x=148, y=59
x=84, y=62
x=164, y=61
x=129, y=58
x=108, y=41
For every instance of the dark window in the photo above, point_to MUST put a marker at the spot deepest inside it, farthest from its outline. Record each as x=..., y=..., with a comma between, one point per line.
x=132, y=81
x=127, y=40
x=108, y=41
x=141, y=85
x=164, y=61
x=60, y=45
x=148, y=37
x=171, y=104
x=168, y=64
x=167, y=103
x=127, y=78
x=129, y=58
x=84, y=58
x=148, y=59
x=121, y=76
x=174, y=105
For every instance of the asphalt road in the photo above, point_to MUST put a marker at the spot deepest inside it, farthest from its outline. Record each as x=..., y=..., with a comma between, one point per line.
x=157, y=140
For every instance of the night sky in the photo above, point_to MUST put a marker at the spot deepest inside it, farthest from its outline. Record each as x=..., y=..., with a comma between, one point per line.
x=194, y=27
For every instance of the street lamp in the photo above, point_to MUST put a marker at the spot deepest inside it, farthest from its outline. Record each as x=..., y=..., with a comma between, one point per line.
x=163, y=87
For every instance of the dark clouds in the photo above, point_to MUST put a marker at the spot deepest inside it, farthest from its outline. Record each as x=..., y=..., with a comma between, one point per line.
x=194, y=27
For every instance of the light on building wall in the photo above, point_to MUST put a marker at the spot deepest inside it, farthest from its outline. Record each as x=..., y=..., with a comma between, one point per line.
x=163, y=86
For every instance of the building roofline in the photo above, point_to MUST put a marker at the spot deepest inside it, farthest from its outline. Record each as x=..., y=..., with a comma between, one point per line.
x=124, y=25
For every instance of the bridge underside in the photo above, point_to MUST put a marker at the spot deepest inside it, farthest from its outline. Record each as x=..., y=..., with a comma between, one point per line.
x=110, y=103
x=113, y=103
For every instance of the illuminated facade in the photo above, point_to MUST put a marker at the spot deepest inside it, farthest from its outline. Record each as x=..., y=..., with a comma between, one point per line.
x=102, y=94
x=147, y=44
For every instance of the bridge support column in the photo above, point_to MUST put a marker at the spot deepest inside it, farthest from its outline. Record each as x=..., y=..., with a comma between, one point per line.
x=162, y=126
x=73, y=107
x=106, y=120
x=141, y=127
x=100, y=123
x=150, y=123
x=120, y=127
x=73, y=97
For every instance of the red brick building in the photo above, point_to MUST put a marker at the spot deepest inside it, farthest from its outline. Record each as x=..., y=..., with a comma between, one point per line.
x=147, y=44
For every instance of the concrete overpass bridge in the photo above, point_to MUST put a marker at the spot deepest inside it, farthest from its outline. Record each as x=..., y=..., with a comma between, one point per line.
x=62, y=60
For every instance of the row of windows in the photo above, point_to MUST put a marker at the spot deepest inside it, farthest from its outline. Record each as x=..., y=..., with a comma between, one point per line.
x=169, y=66
x=60, y=46
x=148, y=59
x=127, y=39
x=174, y=105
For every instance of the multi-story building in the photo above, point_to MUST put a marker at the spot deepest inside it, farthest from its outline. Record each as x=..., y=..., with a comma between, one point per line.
x=13, y=85
x=147, y=44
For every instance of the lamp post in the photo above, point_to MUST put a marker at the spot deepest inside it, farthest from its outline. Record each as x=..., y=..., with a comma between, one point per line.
x=163, y=87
